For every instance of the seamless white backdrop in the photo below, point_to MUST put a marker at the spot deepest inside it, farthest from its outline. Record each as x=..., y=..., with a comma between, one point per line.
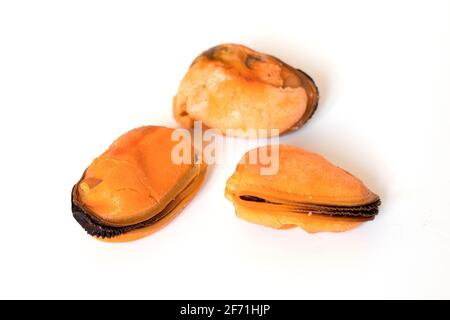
x=74, y=75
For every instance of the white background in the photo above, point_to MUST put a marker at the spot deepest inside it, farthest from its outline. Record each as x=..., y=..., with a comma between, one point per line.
x=74, y=75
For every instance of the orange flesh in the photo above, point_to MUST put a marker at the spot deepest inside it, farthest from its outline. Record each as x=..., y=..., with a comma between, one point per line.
x=280, y=219
x=231, y=91
x=303, y=179
x=254, y=66
x=302, y=176
x=135, y=178
x=186, y=197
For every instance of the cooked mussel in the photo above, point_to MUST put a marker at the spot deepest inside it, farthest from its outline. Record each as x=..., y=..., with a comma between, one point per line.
x=134, y=188
x=307, y=191
x=234, y=87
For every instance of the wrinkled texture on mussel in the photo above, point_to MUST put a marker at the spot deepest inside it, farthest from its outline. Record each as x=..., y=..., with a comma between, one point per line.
x=234, y=87
x=134, y=188
x=306, y=191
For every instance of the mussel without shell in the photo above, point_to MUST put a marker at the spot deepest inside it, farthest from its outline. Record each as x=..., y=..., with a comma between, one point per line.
x=231, y=86
x=307, y=191
x=134, y=188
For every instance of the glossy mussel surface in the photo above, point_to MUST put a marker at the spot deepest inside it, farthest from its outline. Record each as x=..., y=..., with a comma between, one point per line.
x=134, y=188
x=231, y=86
x=306, y=191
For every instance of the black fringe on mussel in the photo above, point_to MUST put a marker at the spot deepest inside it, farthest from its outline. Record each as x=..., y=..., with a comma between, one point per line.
x=314, y=107
x=367, y=211
x=97, y=228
